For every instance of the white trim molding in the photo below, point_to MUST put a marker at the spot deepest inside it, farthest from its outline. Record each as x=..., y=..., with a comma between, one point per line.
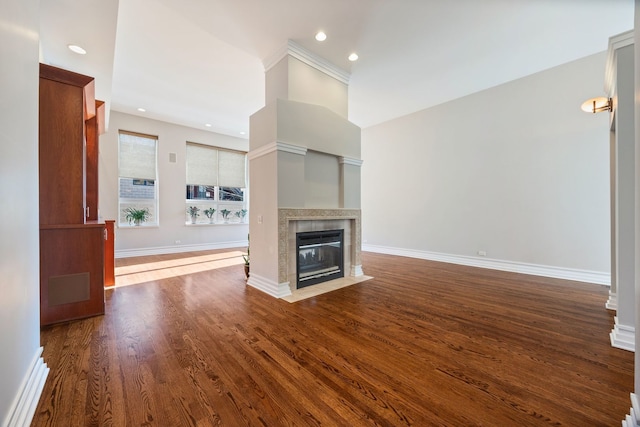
x=300, y=53
x=633, y=418
x=349, y=161
x=277, y=146
x=270, y=287
x=495, y=264
x=24, y=405
x=612, y=302
x=623, y=336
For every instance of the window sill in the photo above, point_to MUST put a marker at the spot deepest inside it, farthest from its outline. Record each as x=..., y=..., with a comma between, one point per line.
x=198, y=224
x=127, y=226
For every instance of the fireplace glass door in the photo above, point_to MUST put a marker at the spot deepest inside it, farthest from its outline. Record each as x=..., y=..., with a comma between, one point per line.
x=320, y=257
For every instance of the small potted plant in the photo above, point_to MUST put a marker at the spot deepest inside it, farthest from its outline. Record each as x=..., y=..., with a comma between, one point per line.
x=209, y=213
x=193, y=212
x=241, y=214
x=246, y=260
x=225, y=214
x=137, y=216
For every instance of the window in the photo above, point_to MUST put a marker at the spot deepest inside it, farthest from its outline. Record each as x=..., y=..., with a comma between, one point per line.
x=137, y=177
x=216, y=185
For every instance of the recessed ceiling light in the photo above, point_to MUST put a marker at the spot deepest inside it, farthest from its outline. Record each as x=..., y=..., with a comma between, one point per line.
x=242, y=133
x=321, y=36
x=77, y=49
x=353, y=57
x=208, y=125
x=142, y=110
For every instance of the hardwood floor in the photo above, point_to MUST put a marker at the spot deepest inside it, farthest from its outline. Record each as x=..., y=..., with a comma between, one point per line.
x=422, y=344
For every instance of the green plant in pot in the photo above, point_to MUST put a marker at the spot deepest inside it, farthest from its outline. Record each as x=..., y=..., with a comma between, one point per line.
x=193, y=212
x=209, y=213
x=246, y=260
x=241, y=214
x=136, y=216
x=225, y=214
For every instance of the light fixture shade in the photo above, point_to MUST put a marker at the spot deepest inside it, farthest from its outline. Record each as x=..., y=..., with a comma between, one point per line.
x=77, y=49
x=596, y=105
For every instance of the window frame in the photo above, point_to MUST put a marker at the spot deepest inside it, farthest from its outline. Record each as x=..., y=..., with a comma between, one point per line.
x=216, y=202
x=152, y=203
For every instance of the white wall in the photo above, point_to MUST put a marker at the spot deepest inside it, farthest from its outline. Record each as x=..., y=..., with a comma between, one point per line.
x=19, y=246
x=518, y=171
x=171, y=185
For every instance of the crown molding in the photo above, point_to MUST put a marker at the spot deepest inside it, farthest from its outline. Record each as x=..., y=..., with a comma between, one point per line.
x=277, y=146
x=300, y=53
x=349, y=161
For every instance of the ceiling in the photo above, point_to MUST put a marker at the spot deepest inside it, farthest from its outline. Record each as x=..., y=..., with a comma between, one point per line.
x=197, y=62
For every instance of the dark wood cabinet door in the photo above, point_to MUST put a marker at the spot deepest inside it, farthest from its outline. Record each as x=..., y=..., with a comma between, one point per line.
x=62, y=149
x=71, y=272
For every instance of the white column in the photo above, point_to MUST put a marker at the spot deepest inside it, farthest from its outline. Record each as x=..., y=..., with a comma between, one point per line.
x=637, y=193
x=621, y=49
x=350, y=182
x=634, y=401
x=612, y=302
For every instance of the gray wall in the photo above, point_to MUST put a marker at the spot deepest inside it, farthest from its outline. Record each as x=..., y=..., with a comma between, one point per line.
x=19, y=247
x=517, y=171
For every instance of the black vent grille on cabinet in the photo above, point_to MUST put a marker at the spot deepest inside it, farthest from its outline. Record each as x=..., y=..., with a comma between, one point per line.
x=69, y=288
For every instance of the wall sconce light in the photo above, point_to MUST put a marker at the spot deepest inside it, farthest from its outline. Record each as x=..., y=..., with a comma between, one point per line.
x=596, y=105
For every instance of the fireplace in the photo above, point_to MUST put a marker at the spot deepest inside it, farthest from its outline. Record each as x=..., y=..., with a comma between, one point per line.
x=320, y=257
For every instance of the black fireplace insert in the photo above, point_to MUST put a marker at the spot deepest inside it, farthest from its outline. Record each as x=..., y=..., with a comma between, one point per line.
x=320, y=257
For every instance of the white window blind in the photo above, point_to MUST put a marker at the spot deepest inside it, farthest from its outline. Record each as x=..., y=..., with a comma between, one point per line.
x=202, y=165
x=212, y=166
x=231, y=168
x=137, y=158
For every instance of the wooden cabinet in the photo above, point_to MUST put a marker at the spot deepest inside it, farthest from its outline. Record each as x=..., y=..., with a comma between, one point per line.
x=109, y=259
x=72, y=246
x=66, y=101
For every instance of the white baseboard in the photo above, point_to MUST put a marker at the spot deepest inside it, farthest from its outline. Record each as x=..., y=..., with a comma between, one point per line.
x=633, y=418
x=26, y=400
x=612, y=302
x=273, y=288
x=161, y=250
x=496, y=264
x=623, y=336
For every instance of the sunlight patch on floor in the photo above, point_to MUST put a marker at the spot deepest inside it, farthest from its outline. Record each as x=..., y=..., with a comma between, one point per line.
x=149, y=272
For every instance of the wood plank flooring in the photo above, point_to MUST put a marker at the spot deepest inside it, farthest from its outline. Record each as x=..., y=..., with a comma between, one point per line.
x=421, y=344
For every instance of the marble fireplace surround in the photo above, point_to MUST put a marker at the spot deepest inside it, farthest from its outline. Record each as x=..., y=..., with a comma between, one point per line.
x=292, y=221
